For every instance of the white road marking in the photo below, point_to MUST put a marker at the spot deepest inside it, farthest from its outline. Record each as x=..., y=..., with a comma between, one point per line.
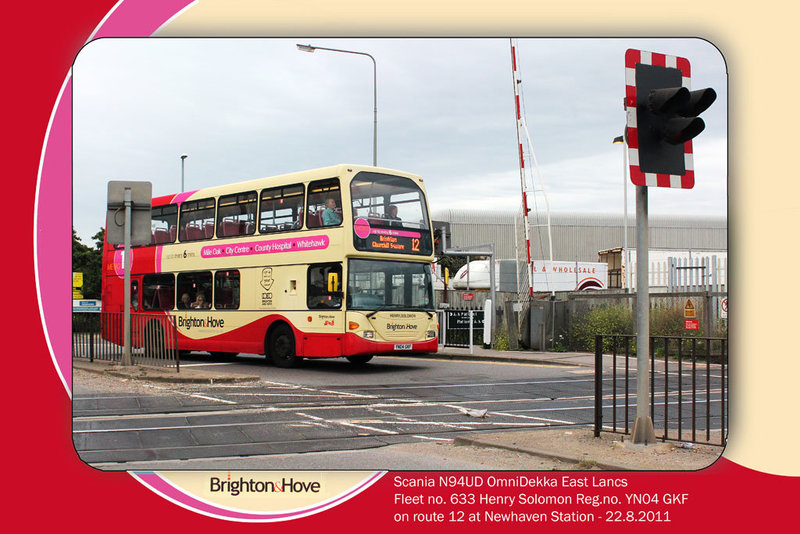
x=349, y=424
x=206, y=397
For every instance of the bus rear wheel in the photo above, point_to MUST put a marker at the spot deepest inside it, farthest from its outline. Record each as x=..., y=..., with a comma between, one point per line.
x=359, y=359
x=281, y=347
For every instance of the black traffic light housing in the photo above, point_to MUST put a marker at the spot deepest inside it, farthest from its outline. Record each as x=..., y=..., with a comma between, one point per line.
x=441, y=237
x=667, y=117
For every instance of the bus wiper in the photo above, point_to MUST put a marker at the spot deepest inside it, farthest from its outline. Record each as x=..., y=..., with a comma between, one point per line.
x=384, y=308
x=379, y=309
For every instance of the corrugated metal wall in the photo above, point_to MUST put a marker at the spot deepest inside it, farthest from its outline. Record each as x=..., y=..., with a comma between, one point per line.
x=579, y=237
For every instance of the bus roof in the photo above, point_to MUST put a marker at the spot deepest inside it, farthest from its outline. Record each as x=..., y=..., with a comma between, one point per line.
x=293, y=177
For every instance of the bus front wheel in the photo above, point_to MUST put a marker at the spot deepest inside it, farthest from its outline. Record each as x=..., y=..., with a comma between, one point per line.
x=282, y=348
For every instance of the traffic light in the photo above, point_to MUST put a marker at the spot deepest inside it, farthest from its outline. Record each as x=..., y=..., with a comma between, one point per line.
x=663, y=119
x=441, y=237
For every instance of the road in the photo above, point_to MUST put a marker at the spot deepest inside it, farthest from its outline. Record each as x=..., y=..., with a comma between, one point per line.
x=325, y=406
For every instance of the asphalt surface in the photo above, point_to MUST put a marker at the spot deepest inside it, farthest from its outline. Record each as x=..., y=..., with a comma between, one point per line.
x=569, y=447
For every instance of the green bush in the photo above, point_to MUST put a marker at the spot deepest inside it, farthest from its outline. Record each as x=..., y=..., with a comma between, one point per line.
x=606, y=320
x=667, y=322
x=501, y=338
x=721, y=328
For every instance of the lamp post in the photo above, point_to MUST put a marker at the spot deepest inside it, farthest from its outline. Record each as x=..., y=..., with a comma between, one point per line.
x=311, y=49
x=183, y=159
x=621, y=141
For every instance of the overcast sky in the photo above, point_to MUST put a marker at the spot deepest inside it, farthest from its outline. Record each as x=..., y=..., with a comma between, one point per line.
x=249, y=108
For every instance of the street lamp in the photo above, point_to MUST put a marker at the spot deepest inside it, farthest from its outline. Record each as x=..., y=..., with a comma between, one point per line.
x=311, y=49
x=621, y=141
x=183, y=159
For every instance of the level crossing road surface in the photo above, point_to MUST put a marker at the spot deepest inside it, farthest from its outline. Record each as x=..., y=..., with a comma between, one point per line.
x=331, y=405
x=325, y=406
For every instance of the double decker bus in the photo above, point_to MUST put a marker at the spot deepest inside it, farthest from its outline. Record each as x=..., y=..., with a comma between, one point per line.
x=331, y=262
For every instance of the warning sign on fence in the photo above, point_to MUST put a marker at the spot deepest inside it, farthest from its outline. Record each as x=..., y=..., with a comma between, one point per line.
x=689, y=311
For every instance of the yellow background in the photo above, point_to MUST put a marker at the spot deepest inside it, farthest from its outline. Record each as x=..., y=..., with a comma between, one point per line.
x=757, y=41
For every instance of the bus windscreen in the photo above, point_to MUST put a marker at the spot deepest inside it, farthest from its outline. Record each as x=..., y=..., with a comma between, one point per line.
x=389, y=215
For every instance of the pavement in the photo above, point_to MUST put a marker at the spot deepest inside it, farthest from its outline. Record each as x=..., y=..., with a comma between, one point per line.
x=198, y=376
x=574, y=446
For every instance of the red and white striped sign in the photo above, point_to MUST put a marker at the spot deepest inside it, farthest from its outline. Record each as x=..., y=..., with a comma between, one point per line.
x=632, y=57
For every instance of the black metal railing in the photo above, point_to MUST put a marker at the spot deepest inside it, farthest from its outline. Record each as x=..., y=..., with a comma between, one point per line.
x=688, y=387
x=100, y=336
x=454, y=327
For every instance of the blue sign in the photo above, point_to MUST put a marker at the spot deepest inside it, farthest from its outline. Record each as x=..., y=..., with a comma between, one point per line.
x=85, y=305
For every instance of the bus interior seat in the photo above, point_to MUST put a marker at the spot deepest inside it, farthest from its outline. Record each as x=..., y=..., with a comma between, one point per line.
x=314, y=219
x=163, y=299
x=160, y=236
x=193, y=232
x=224, y=297
x=228, y=229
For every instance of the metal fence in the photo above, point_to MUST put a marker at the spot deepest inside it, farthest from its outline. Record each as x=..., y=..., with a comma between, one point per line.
x=461, y=327
x=688, y=387
x=100, y=336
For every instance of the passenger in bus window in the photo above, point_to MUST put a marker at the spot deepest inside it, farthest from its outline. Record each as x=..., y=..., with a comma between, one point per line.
x=185, y=302
x=329, y=215
x=200, y=302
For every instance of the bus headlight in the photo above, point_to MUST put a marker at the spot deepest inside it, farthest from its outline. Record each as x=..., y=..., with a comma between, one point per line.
x=369, y=334
x=430, y=334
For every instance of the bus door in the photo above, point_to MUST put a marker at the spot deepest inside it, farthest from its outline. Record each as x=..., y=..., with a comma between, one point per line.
x=136, y=306
x=324, y=331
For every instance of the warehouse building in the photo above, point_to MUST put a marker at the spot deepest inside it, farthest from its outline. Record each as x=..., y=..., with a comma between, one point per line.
x=585, y=237
x=581, y=236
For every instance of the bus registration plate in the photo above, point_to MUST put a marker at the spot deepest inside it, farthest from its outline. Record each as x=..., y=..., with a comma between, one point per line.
x=403, y=346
